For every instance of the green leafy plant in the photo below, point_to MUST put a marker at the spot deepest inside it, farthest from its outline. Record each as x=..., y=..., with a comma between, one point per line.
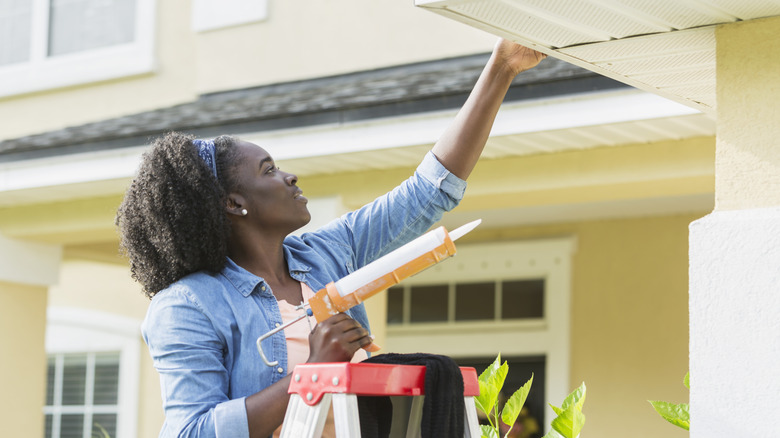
x=570, y=419
x=102, y=433
x=677, y=414
x=490, y=383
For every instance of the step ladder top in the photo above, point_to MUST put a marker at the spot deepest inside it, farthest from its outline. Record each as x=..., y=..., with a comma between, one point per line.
x=312, y=380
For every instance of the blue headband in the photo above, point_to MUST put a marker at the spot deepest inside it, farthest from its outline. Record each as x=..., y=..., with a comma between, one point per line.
x=208, y=152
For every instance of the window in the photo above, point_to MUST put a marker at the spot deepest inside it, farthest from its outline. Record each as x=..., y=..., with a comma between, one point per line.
x=82, y=395
x=92, y=378
x=56, y=43
x=498, y=300
x=507, y=297
x=521, y=368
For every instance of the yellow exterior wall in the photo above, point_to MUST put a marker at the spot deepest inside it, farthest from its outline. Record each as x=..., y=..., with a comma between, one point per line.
x=629, y=333
x=326, y=38
x=108, y=288
x=638, y=171
x=748, y=160
x=23, y=364
x=316, y=39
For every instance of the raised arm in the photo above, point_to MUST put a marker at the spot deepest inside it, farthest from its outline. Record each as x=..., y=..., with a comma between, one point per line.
x=460, y=146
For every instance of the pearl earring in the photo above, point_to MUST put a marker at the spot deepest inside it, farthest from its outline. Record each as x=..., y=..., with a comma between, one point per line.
x=243, y=212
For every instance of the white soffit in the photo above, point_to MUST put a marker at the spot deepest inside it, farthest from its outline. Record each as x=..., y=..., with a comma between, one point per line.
x=666, y=47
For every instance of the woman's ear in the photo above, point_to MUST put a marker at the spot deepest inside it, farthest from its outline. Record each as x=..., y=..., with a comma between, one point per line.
x=235, y=205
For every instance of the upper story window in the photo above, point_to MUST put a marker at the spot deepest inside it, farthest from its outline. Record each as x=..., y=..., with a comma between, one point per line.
x=48, y=44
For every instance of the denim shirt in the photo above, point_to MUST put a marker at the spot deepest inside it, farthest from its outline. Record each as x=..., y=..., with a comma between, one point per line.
x=202, y=330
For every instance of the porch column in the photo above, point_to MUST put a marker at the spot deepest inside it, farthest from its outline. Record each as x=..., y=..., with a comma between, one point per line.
x=26, y=272
x=735, y=251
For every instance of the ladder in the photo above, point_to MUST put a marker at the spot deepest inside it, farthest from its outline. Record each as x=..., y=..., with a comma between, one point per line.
x=315, y=386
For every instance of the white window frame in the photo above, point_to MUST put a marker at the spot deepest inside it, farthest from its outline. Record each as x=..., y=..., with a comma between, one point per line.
x=88, y=408
x=548, y=336
x=211, y=15
x=42, y=72
x=72, y=330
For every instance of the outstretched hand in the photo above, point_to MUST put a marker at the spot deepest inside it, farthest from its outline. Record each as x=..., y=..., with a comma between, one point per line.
x=516, y=58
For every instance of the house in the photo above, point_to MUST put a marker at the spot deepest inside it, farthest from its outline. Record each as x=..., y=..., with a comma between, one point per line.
x=579, y=271
x=678, y=49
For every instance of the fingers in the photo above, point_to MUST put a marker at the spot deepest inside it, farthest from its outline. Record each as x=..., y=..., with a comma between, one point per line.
x=517, y=57
x=337, y=339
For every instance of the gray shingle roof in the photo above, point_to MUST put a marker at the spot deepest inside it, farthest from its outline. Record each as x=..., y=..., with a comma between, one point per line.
x=384, y=92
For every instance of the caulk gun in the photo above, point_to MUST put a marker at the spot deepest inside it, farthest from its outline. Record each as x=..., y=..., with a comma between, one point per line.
x=384, y=272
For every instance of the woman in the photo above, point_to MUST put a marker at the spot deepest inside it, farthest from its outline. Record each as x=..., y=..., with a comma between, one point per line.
x=205, y=226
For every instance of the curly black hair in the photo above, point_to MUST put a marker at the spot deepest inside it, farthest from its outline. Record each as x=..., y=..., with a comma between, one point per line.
x=172, y=220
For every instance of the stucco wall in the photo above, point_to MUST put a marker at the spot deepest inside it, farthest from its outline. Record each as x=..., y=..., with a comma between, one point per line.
x=629, y=339
x=326, y=38
x=747, y=158
x=735, y=348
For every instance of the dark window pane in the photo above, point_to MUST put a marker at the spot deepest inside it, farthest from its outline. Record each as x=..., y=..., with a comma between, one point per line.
x=47, y=433
x=74, y=380
x=104, y=425
x=106, y=379
x=520, y=370
x=429, y=303
x=475, y=301
x=50, y=370
x=522, y=299
x=72, y=426
x=395, y=305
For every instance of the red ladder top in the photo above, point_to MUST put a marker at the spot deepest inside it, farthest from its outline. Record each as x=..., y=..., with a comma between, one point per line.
x=312, y=380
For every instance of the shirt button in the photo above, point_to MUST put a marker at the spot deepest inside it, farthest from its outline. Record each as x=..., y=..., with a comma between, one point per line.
x=262, y=288
x=277, y=324
x=280, y=369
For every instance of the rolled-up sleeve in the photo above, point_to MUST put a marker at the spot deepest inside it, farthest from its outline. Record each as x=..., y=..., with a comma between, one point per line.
x=441, y=178
x=188, y=354
x=400, y=215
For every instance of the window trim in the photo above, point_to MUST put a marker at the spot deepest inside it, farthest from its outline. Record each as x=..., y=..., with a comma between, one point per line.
x=42, y=72
x=549, y=336
x=89, y=407
x=74, y=330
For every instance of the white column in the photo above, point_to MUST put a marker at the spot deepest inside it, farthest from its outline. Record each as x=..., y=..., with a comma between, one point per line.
x=735, y=323
x=735, y=251
x=29, y=263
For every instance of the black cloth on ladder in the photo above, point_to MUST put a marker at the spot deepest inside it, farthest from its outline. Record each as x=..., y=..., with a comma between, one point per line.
x=443, y=406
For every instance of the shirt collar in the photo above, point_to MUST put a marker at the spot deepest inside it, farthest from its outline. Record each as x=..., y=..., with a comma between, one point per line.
x=293, y=264
x=246, y=282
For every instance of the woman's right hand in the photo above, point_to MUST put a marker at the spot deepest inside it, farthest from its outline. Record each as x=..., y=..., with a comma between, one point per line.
x=337, y=339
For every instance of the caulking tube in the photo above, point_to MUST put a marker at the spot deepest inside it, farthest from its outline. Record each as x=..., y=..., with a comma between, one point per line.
x=417, y=255
x=391, y=262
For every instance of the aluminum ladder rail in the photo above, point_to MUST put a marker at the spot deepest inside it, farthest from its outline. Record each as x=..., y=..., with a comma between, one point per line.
x=315, y=386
